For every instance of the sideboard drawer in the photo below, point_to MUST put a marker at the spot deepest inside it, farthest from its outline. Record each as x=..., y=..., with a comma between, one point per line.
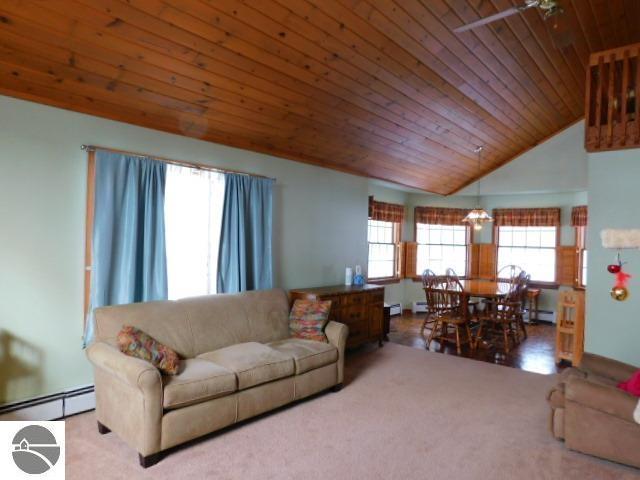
x=376, y=297
x=353, y=314
x=355, y=299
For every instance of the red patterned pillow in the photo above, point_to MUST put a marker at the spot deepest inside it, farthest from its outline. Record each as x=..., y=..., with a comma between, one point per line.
x=308, y=319
x=135, y=343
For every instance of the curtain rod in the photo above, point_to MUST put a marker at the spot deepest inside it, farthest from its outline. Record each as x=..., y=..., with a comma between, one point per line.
x=197, y=166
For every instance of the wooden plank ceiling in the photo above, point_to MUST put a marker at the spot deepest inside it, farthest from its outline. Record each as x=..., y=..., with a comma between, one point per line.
x=380, y=88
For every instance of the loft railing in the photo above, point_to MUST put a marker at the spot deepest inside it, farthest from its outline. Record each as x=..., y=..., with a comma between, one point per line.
x=612, y=110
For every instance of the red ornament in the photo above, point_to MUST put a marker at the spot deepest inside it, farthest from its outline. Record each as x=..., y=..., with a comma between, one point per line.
x=613, y=268
x=622, y=279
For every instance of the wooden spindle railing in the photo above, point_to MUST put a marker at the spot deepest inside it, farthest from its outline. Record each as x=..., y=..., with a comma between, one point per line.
x=612, y=110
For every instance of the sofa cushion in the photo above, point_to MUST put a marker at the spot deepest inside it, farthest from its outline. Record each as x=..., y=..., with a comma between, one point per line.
x=307, y=354
x=136, y=343
x=308, y=319
x=197, y=380
x=252, y=362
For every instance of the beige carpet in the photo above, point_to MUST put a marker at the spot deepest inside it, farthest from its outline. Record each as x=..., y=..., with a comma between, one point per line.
x=405, y=413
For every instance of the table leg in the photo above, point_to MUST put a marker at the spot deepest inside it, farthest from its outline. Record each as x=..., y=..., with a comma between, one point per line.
x=533, y=310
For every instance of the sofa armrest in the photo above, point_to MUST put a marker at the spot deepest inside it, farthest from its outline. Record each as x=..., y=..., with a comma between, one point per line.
x=130, y=370
x=128, y=397
x=337, y=334
x=606, y=399
x=606, y=367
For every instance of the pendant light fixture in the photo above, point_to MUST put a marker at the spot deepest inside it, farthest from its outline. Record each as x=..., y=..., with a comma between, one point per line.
x=478, y=216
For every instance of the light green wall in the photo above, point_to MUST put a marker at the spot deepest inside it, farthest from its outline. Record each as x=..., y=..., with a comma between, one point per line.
x=320, y=219
x=613, y=328
x=557, y=165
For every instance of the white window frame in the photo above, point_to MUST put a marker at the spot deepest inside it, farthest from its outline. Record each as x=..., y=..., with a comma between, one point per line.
x=462, y=272
x=395, y=239
x=528, y=231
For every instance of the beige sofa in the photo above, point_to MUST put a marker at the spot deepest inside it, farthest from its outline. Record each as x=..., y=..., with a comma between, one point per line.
x=237, y=362
x=591, y=415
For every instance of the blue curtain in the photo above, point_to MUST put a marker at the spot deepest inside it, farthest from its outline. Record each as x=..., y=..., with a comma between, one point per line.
x=128, y=246
x=244, y=257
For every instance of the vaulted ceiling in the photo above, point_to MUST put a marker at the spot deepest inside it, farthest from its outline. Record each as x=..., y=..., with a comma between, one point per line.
x=380, y=88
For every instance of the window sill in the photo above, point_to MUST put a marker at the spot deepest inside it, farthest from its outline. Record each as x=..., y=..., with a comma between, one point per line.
x=544, y=285
x=419, y=279
x=383, y=281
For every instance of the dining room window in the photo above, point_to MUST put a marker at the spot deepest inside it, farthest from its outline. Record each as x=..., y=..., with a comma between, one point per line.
x=383, y=244
x=531, y=248
x=581, y=249
x=442, y=246
x=384, y=230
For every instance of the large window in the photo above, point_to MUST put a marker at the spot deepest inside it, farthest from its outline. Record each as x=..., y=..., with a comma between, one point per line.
x=441, y=247
x=531, y=248
x=193, y=216
x=383, y=244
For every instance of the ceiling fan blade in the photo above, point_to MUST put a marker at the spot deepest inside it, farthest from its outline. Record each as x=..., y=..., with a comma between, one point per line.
x=491, y=18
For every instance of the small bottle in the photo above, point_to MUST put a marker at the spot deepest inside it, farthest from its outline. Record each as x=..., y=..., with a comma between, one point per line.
x=359, y=278
x=348, y=276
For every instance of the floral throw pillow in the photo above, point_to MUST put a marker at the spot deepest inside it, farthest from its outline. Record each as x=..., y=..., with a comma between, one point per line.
x=135, y=343
x=308, y=319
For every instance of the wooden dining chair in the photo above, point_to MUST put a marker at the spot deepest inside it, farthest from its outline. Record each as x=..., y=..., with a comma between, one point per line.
x=428, y=279
x=448, y=294
x=509, y=273
x=502, y=317
x=472, y=304
x=522, y=286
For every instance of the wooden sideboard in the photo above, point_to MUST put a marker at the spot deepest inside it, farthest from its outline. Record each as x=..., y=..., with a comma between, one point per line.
x=361, y=308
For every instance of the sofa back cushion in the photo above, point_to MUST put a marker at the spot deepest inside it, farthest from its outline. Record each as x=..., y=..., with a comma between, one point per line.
x=165, y=321
x=197, y=325
x=218, y=321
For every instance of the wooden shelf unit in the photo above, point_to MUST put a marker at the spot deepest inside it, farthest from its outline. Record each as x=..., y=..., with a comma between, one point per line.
x=570, y=326
x=612, y=110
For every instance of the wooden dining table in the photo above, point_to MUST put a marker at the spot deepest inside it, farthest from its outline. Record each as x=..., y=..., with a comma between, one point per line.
x=485, y=288
x=481, y=288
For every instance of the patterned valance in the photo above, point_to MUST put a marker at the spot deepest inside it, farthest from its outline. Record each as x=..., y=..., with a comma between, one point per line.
x=579, y=216
x=385, y=212
x=526, y=217
x=440, y=216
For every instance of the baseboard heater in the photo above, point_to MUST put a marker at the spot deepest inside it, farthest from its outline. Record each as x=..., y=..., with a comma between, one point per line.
x=543, y=316
x=395, y=309
x=419, y=307
x=51, y=407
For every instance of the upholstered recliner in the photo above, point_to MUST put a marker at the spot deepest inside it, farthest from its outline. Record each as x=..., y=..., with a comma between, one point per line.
x=238, y=361
x=592, y=415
